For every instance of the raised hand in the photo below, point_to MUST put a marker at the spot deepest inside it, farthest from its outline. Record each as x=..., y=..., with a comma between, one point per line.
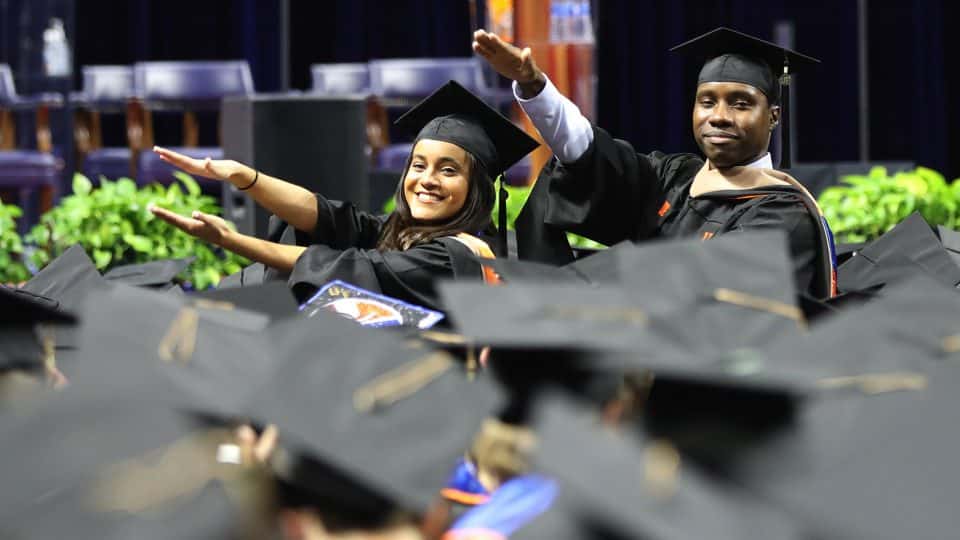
x=206, y=227
x=217, y=169
x=510, y=61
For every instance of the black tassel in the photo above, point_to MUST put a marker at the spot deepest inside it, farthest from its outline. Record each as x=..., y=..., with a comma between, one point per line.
x=786, y=160
x=502, y=220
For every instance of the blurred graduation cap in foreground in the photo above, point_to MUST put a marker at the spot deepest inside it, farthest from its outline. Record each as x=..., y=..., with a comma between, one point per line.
x=155, y=274
x=394, y=418
x=910, y=246
x=121, y=469
x=626, y=486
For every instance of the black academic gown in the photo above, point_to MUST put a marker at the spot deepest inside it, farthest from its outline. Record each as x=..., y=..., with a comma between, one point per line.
x=612, y=193
x=343, y=247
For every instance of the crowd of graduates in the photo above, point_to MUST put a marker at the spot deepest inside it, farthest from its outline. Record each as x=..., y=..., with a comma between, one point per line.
x=721, y=371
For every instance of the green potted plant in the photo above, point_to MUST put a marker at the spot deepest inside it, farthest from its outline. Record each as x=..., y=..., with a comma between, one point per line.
x=862, y=208
x=12, y=269
x=113, y=225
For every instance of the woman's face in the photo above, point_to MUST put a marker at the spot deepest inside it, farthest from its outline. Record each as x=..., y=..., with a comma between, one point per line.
x=437, y=181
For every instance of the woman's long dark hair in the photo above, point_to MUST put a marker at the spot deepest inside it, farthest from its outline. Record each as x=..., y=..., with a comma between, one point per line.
x=402, y=231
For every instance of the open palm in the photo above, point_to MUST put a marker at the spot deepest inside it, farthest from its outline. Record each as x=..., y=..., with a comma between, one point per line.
x=510, y=61
x=217, y=169
x=207, y=227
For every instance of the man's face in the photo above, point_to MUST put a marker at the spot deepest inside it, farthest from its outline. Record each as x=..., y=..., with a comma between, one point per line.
x=732, y=122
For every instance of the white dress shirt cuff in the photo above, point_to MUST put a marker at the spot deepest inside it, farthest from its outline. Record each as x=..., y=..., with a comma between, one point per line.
x=561, y=124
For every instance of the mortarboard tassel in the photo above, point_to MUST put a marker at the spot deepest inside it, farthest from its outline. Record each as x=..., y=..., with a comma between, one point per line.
x=785, y=157
x=502, y=219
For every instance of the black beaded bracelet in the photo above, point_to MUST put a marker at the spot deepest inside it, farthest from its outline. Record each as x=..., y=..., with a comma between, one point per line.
x=255, y=178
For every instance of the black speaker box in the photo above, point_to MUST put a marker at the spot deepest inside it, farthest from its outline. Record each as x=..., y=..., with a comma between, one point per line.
x=313, y=141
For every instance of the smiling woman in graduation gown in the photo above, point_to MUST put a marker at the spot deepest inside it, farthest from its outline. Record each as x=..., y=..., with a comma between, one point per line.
x=444, y=198
x=601, y=188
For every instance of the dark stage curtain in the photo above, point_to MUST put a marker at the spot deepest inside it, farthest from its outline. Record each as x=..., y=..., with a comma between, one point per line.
x=645, y=94
x=361, y=30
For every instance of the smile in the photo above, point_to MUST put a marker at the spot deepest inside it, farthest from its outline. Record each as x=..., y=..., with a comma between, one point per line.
x=428, y=198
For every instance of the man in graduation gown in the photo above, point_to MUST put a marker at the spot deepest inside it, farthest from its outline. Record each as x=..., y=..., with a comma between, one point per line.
x=601, y=188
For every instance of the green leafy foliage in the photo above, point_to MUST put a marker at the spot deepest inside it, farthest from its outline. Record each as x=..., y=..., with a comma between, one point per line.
x=12, y=269
x=864, y=207
x=113, y=225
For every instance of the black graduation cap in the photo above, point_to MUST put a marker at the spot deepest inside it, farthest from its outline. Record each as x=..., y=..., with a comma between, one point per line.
x=273, y=298
x=198, y=354
x=627, y=486
x=878, y=465
x=120, y=468
x=21, y=312
x=597, y=268
x=394, y=418
x=150, y=274
x=951, y=242
x=675, y=297
x=452, y=114
x=731, y=56
x=901, y=252
x=22, y=307
x=67, y=279
x=863, y=351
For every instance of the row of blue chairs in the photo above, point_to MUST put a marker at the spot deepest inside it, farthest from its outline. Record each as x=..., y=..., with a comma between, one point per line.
x=138, y=92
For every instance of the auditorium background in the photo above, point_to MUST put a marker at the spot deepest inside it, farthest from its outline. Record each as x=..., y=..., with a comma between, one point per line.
x=880, y=97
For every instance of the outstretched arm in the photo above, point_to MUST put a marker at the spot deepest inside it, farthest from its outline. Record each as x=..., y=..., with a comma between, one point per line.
x=561, y=124
x=290, y=202
x=215, y=230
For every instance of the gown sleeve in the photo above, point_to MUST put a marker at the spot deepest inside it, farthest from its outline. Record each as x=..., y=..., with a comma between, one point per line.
x=612, y=193
x=341, y=225
x=408, y=275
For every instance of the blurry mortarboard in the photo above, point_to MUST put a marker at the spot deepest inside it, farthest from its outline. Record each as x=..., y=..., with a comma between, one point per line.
x=67, y=279
x=90, y=431
x=392, y=419
x=684, y=295
x=245, y=277
x=912, y=239
x=119, y=469
x=731, y=56
x=880, y=465
x=600, y=267
x=149, y=274
x=273, y=298
x=637, y=488
x=22, y=307
x=863, y=351
x=951, y=242
x=452, y=114
x=20, y=312
x=209, y=514
x=201, y=355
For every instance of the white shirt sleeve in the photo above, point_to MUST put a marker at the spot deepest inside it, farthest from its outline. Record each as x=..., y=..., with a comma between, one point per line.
x=561, y=124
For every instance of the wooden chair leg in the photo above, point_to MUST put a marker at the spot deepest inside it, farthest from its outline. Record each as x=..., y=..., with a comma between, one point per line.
x=45, y=201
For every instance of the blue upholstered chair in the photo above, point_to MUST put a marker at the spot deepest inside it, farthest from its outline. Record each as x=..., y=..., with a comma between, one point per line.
x=31, y=175
x=106, y=90
x=186, y=88
x=340, y=79
x=416, y=78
